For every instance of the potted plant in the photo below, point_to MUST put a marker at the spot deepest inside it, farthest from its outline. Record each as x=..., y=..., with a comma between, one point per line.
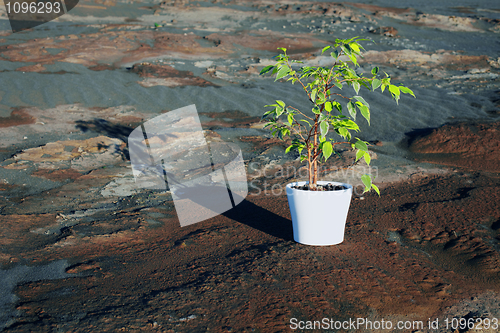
x=318, y=208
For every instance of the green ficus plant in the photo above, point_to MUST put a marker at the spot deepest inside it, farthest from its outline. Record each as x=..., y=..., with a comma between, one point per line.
x=323, y=86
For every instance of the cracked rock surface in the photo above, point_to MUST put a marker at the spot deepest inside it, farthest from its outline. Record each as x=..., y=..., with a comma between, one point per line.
x=83, y=249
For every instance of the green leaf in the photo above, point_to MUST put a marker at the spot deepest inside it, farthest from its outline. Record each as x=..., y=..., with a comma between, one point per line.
x=280, y=103
x=395, y=92
x=349, y=124
x=316, y=82
x=359, y=154
x=338, y=106
x=282, y=72
x=367, y=180
x=266, y=69
x=313, y=94
x=287, y=150
x=267, y=112
x=352, y=56
x=290, y=119
x=361, y=146
x=365, y=84
x=367, y=158
x=279, y=111
x=323, y=127
x=346, y=49
x=316, y=110
x=328, y=106
x=337, y=84
x=376, y=83
x=343, y=132
x=362, y=100
x=354, y=46
x=308, y=123
x=351, y=72
x=365, y=111
x=352, y=110
x=356, y=86
x=321, y=98
x=376, y=189
x=383, y=87
x=335, y=54
x=406, y=91
x=327, y=149
x=325, y=48
x=375, y=70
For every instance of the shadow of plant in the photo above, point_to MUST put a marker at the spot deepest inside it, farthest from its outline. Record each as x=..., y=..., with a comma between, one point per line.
x=261, y=219
x=245, y=212
x=109, y=129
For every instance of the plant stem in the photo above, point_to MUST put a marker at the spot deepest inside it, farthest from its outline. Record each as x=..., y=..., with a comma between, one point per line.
x=315, y=150
x=309, y=163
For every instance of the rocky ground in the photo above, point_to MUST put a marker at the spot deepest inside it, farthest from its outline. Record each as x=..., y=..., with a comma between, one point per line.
x=84, y=250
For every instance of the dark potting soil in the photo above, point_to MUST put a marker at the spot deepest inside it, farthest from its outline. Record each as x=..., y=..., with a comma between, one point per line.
x=327, y=187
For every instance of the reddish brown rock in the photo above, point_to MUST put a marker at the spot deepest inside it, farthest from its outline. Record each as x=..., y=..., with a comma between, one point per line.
x=114, y=47
x=442, y=59
x=171, y=76
x=469, y=145
x=422, y=247
x=376, y=9
x=266, y=41
x=32, y=68
x=229, y=119
x=386, y=31
x=17, y=117
x=57, y=175
x=410, y=16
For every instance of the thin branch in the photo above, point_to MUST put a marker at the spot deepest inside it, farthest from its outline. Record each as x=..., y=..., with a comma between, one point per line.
x=295, y=75
x=340, y=95
x=362, y=78
x=288, y=126
x=299, y=132
x=291, y=107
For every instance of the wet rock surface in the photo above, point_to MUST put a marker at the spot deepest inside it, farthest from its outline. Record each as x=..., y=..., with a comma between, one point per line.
x=82, y=249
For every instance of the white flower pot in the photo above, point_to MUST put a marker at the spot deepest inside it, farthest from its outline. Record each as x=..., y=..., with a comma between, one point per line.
x=318, y=217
